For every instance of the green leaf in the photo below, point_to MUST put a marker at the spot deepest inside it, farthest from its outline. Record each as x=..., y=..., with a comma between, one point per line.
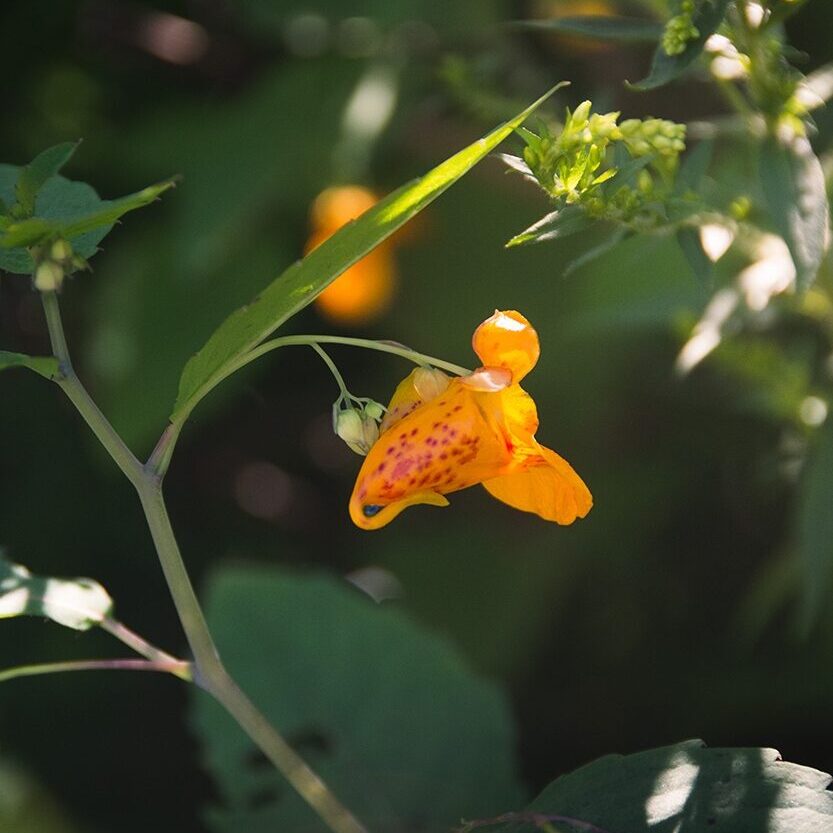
x=624, y=29
x=35, y=175
x=793, y=183
x=32, y=231
x=667, y=67
x=687, y=787
x=695, y=164
x=610, y=242
x=77, y=603
x=387, y=713
x=47, y=366
x=304, y=280
x=692, y=248
x=559, y=223
x=814, y=529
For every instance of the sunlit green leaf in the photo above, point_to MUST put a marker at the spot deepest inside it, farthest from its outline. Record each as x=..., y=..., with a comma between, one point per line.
x=624, y=29
x=793, y=183
x=303, y=281
x=687, y=787
x=77, y=603
x=667, y=67
x=47, y=366
x=41, y=169
x=559, y=223
x=387, y=713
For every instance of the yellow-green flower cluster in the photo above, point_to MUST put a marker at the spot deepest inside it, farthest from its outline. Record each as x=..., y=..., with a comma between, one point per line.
x=680, y=29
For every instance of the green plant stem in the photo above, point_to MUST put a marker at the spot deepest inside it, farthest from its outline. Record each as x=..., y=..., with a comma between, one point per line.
x=77, y=394
x=134, y=641
x=345, y=394
x=178, y=668
x=162, y=454
x=208, y=670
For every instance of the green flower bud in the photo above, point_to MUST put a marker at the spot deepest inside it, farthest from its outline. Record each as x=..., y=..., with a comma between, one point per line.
x=61, y=251
x=374, y=410
x=357, y=430
x=48, y=276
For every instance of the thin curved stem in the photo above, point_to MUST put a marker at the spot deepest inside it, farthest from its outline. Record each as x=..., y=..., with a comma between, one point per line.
x=160, y=459
x=178, y=668
x=342, y=385
x=137, y=643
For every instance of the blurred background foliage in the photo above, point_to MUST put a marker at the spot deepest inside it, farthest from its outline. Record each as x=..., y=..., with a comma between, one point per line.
x=678, y=608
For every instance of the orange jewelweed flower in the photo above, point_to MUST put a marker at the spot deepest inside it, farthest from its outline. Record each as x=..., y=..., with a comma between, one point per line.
x=442, y=434
x=363, y=291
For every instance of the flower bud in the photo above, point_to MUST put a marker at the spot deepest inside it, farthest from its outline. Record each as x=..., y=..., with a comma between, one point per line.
x=48, y=276
x=429, y=383
x=360, y=432
x=61, y=251
x=374, y=410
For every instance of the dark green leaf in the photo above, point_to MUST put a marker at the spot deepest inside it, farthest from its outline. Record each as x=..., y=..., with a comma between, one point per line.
x=559, y=223
x=686, y=787
x=692, y=248
x=34, y=230
x=35, y=175
x=47, y=366
x=304, y=280
x=694, y=166
x=625, y=29
x=792, y=179
x=667, y=67
x=402, y=732
x=814, y=532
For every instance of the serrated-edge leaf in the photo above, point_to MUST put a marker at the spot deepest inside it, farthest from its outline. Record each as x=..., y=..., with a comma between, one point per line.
x=559, y=223
x=688, y=786
x=305, y=279
x=665, y=67
x=32, y=231
x=43, y=167
x=79, y=603
x=793, y=183
x=599, y=27
x=46, y=366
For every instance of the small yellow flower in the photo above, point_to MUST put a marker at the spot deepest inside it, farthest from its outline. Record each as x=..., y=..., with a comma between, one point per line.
x=364, y=291
x=444, y=434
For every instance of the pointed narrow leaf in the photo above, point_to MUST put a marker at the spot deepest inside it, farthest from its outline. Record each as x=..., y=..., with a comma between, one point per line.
x=692, y=248
x=42, y=168
x=687, y=787
x=793, y=183
x=32, y=231
x=667, y=67
x=560, y=223
x=598, y=27
x=304, y=280
x=615, y=238
x=695, y=164
x=77, y=603
x=47, y=366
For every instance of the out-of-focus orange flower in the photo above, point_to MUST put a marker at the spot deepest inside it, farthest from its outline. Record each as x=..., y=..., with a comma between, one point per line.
x=365, y=290
x=575, y=44
x=443, y=434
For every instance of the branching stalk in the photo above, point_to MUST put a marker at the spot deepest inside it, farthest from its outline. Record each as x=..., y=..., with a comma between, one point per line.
x=208, y=670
